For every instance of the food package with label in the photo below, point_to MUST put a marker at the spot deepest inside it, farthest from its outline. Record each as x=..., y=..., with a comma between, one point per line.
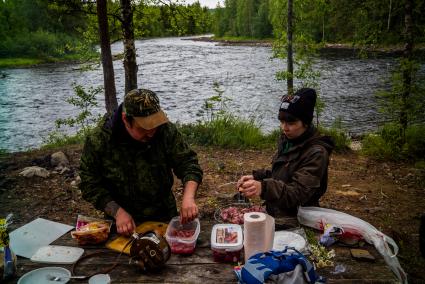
x=90, y=230
x=226, y=242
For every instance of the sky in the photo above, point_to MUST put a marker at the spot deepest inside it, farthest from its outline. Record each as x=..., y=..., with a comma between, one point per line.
x=208, y=3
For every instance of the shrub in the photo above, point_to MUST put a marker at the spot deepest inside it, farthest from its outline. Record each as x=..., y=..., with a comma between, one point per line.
x=340, y=138
x=338, y=134
x=83, y=122
x=57, y=139
x=3, y=152
x=384, y=144
x=415, y=137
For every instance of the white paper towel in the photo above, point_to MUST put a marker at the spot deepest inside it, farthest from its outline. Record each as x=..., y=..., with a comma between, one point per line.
x=258, y=233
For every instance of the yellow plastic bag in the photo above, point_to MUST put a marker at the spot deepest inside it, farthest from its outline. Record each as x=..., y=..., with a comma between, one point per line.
x=91, y=230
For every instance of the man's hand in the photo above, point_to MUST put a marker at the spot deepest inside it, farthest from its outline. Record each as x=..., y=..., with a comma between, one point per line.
x=124, y=222
x=250, y=187
x=189, y=209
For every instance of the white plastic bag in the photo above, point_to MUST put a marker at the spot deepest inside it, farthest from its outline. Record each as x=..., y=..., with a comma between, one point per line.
x=317, y=217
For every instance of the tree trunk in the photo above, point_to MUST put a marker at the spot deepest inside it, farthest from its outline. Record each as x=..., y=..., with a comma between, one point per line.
x=105, y=47
x=290, y=59
x=389, y=16
x=407, y=69
x=130, y=64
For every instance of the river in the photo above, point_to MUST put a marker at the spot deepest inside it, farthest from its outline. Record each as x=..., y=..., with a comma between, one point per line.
x=183, y=72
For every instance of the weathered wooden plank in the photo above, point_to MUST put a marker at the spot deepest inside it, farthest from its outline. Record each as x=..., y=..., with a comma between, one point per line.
x=200, y=267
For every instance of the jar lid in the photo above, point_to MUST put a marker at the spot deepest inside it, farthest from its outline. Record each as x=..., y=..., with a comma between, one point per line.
x=227, y=237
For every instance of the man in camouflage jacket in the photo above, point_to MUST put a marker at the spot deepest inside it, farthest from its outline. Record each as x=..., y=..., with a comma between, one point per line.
x=128, y=162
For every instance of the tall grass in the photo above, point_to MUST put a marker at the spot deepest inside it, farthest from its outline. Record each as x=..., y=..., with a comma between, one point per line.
x=230, y=132
x=58, y=139
x=339, y=135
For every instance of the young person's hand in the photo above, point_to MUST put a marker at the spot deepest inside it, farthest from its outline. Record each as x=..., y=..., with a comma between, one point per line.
x=250, y=187
x=243, y=179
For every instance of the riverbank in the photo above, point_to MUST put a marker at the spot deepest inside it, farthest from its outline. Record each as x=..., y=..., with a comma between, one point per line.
x=342, y=49
x=387, y=195
x=19, y=62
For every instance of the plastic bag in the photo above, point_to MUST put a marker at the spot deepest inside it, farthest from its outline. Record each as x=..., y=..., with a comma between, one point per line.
x=91, y=230
x=7, y=257
x=317, y=218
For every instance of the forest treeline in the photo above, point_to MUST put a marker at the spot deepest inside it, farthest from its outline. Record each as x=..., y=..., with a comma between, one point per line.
x=334, y=21
x=59, y=28
x=44, y=28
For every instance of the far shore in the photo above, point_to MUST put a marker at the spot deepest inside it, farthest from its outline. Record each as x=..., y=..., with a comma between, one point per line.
x=332, y=48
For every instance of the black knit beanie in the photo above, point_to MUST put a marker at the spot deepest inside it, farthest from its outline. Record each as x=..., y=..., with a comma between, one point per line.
x=300, y=105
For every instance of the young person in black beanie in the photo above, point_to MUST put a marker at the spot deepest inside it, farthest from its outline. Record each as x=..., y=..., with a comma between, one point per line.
x=299, y=173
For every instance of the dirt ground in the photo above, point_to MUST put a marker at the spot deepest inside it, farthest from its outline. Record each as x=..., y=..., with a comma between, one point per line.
x=390, y=196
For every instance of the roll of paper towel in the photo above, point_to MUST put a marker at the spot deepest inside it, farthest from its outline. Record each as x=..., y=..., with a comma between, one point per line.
x=258, y=233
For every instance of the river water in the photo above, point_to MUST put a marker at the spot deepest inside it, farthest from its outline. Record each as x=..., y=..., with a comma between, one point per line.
x=183, y=72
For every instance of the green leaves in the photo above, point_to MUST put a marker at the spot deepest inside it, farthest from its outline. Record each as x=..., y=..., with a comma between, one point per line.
x=85, y=101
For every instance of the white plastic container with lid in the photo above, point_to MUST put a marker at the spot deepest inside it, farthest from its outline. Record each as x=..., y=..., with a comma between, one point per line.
x=226, y=242
x=182, y=237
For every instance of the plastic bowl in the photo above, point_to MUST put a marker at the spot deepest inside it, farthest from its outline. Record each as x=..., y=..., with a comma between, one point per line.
x=182, y=237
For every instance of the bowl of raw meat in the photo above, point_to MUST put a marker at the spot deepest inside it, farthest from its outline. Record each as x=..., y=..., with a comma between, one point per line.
x=233, y=213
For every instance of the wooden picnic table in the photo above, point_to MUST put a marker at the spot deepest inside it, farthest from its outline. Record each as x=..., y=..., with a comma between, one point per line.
x=200, y=267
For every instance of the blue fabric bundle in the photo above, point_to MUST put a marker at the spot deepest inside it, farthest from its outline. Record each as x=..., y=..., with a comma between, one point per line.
x=260, y=266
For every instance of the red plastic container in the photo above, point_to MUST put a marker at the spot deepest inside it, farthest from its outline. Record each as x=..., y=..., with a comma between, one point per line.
x=182, y=237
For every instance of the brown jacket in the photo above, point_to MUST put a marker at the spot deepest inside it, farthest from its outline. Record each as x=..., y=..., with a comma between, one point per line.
x=299, y=175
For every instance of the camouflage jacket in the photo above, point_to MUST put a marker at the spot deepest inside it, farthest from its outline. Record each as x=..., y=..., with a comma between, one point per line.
x=299, y=174
x=138, y=176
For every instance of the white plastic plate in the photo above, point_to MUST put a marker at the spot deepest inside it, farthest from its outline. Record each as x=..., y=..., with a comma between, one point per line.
x=57, y=254
x=286, y=238
x=44, y=276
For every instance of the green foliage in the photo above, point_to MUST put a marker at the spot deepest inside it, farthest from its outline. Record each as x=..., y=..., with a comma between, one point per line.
x=173, y=19
x=369, y=22
x=219, y=128
x=39, y=44
x=84, y=101
x=391, y=101
x=14, y=62
x=3, y=153
x=228, y=131
x=339, y=135
x=38, y=29
x=57, y=139
x=304, y=46
x=83, y=122
x=215, y=106
x=305, y=53
x=56, y=29
x=384, y=144
x=245, y=18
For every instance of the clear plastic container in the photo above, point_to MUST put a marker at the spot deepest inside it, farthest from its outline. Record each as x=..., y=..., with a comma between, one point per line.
x=227, y=242
x=182, y=237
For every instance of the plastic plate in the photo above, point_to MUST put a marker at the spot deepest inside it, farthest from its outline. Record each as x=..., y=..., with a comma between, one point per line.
x=45, y=275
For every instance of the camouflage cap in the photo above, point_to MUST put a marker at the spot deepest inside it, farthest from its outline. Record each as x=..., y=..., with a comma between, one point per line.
x=143, y=105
